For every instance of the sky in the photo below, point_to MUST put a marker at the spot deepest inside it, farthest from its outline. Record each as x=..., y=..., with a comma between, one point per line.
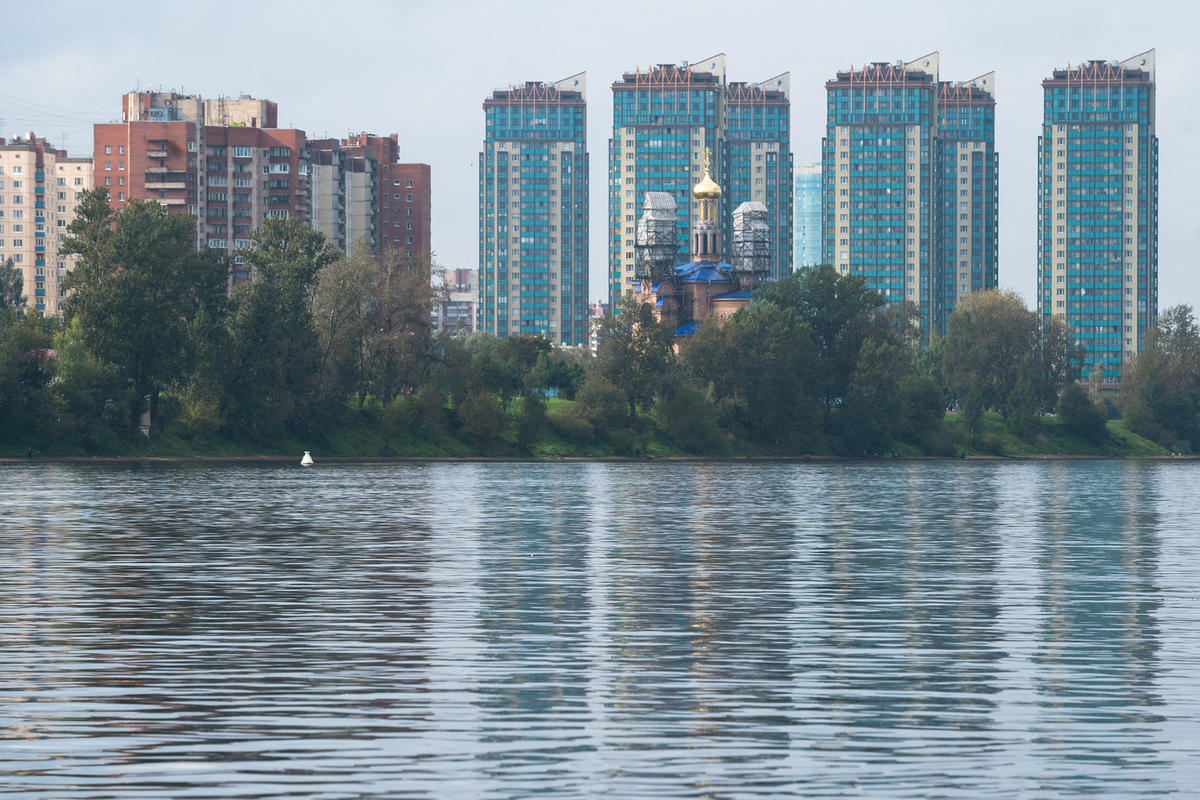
x=423, y=69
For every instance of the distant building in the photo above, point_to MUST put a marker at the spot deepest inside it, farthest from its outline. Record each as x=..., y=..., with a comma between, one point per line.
x=758, y=161
x=360, y=193
x=596, y=313
x=533, y=211
x=1098, y=209
x=458, y=311
x=911, y=192
x=222, y=160
x=806, y=236
x=40, y=187
x=664, y=119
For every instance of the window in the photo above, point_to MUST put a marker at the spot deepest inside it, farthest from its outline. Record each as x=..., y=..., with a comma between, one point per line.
x=408, y=198
x=108, y=149
x=408, y=184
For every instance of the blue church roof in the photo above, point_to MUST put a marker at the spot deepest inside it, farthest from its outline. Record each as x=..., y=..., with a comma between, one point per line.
x=703, y=271
x=687, y=330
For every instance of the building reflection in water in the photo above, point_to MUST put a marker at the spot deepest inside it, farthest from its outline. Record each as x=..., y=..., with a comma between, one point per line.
x=1096, y=665
x=902, y=635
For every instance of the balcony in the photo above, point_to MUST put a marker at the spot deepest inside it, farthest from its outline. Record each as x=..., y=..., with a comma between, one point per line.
x=166, y=180
x=156, y=148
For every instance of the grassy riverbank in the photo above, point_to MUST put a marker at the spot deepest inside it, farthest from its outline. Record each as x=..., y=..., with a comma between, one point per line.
x=371, y=433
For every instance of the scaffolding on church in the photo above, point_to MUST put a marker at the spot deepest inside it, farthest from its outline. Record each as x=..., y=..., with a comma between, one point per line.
x=655, y=247
x=751, y=253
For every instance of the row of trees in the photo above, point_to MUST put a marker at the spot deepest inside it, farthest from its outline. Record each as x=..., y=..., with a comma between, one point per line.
x=816, y=363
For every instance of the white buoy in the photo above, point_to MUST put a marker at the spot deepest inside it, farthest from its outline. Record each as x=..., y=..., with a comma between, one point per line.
x=307, y=460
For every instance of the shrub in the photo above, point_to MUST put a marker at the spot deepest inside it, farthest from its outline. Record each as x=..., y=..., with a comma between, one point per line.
x=570, y=421
x=479, y=419
x=1082, y=415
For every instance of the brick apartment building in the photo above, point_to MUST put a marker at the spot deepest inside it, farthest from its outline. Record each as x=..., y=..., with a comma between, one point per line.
x=361, y=193
x=223, y=161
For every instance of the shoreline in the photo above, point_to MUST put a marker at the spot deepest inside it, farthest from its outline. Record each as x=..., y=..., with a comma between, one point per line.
x=281, y=459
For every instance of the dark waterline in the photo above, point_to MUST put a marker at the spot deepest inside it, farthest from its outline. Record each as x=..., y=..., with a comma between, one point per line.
x=908, y=629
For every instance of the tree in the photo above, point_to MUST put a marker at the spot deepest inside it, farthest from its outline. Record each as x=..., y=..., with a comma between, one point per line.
x=532, y=420
x=479, y=418
x=996, y=346
x=137, y=285
x=922, y=408
x=12, y=299
x=1163, y=387
x=273, y=377
x=636, y=353
x=1082, y=415
x=841, y=312
x=870, y=415
x=760, y=366
x=989, y=338
x=25, y=371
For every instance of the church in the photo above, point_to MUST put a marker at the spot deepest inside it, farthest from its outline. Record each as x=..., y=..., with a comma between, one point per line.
x=684, y=295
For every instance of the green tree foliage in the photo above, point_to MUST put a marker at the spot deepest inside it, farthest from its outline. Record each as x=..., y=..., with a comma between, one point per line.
x=871, y=412
x=479, y=419
x=760, y=366
x=1082, y=415
x=922, y=408
x=636, y=353
x=272, y=377
x=841, y=312
x=137, y=286
x=995, y=347
x=12, y=299
x=1163, y=388
x=531, y=421
x=87, y=391
x=25, y=373
x=372, y=319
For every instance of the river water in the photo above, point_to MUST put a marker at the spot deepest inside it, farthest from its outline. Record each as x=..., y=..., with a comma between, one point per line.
x=856, y=629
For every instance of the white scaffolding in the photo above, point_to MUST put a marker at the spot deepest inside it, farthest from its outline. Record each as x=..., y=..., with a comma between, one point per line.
x=655, y=246
x=751, y=253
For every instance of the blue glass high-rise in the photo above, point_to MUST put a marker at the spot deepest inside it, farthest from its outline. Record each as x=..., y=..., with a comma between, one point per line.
x=1098, y=210
x=910, y=185
x=533, y=212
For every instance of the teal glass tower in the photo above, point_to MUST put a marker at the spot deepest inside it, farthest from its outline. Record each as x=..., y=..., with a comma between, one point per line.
x=966, y=185
x=806, y=205
x=910, y=185
x=533, y=212
x=1098, y=210
x=758, y=161
x=664, y=120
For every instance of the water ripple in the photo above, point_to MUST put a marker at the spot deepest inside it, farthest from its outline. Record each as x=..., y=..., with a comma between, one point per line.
x=879, y=630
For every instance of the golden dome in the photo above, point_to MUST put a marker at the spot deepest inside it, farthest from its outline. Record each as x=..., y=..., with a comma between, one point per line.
x=707, y=188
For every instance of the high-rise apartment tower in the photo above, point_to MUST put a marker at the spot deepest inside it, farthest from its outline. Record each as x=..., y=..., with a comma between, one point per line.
x=1098, y=209
x=40, y=187
x=533, y=211
x=664, y=119
x=910, y=199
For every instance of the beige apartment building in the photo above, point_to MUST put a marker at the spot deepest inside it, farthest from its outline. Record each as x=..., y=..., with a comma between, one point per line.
x=40, y=187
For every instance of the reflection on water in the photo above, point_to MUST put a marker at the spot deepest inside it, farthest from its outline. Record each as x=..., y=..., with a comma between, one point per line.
x=691, y=630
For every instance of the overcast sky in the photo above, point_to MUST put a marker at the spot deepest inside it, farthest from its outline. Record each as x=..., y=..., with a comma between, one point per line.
x=423, y=69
